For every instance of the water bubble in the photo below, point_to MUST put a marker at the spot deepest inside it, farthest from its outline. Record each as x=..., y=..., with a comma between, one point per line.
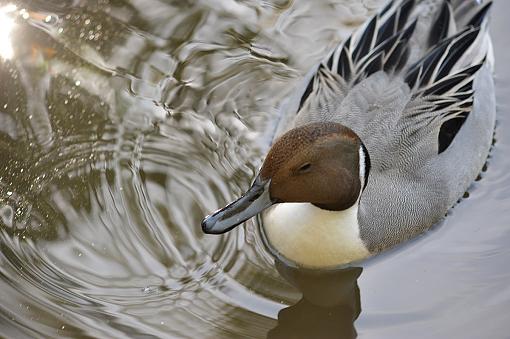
x=50, y=19
x=24, y=13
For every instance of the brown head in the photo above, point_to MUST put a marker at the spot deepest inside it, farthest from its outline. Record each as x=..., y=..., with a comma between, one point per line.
x=317, y=163
x=324, y=164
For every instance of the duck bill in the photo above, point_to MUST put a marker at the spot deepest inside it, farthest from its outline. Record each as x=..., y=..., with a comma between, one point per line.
x=254, y=201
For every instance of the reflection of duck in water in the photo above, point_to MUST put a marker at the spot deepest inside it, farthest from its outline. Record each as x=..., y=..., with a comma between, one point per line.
x=328, y=308
x=386, y=135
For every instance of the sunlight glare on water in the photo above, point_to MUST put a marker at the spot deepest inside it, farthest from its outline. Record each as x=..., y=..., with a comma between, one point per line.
x=6, y=27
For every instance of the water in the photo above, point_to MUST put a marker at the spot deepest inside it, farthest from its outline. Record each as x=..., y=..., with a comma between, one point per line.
x=123, y=122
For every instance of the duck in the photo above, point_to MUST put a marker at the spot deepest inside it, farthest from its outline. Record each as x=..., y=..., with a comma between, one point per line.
x=379, y=140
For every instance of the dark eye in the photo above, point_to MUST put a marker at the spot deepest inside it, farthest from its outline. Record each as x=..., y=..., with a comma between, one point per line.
x=304, y=168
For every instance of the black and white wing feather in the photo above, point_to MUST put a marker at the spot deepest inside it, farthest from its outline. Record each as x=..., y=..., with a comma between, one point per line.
x=381, y=45
x=441, y=80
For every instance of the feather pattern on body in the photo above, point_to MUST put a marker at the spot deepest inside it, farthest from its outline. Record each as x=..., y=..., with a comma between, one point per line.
x=405, y=83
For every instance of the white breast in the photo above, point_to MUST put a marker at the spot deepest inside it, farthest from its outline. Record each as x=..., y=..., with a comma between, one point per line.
x=313, y=237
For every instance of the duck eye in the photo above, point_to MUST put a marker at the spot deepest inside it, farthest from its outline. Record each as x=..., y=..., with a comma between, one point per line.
x=304, y=167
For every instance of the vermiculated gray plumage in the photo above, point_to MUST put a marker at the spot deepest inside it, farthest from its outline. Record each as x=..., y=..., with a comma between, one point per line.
x=415, y=84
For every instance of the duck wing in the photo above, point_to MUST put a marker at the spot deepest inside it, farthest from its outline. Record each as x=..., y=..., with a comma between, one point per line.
x=401, y=102
x=381, y=45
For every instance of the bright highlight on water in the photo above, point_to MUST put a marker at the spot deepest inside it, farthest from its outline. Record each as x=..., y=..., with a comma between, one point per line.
x=6, y=26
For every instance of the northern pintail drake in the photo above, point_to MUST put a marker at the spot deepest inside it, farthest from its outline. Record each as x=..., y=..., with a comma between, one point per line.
x=380, y=140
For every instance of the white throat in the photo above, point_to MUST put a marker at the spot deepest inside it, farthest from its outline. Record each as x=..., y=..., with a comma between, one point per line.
x=312, y=237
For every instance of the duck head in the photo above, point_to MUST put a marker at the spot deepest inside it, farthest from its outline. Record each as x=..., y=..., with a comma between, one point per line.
x=324, y=164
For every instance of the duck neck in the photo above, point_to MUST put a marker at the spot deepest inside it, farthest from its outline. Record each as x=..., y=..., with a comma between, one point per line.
x=356, y=189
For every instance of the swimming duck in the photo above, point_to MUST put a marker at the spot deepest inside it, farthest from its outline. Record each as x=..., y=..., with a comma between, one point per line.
x=380, y=140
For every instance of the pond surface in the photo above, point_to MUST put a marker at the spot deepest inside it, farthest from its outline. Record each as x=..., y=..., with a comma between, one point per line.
x=124, y=122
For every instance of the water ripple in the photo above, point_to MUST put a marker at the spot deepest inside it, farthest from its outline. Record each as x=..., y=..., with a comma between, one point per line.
x=122, y=123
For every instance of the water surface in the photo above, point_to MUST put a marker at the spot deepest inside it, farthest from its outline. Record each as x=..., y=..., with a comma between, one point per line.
x=122, y=123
